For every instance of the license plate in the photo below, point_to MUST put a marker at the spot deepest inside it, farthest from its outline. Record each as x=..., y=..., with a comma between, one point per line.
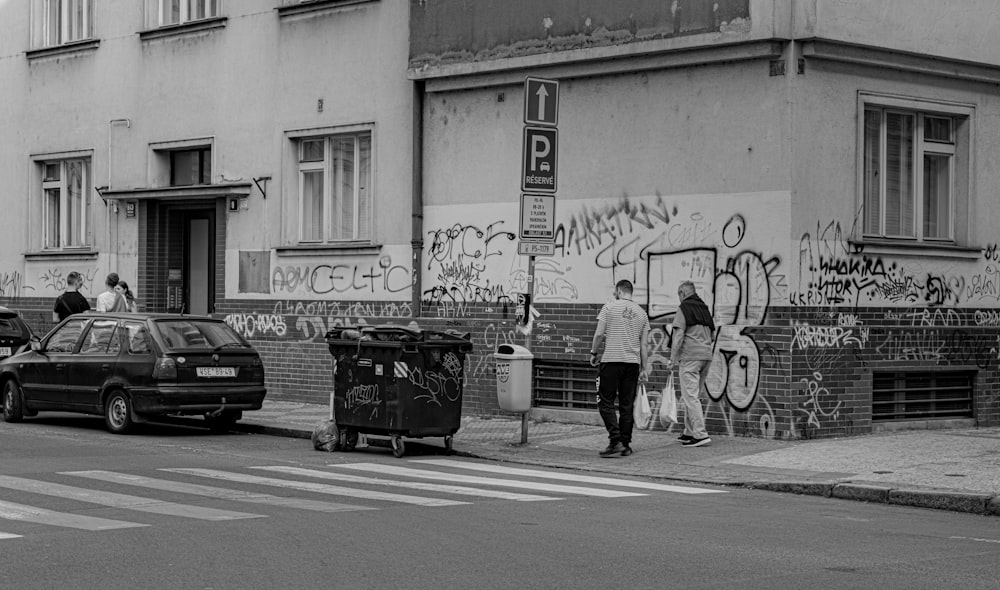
x=215, y=371
x=4, y=351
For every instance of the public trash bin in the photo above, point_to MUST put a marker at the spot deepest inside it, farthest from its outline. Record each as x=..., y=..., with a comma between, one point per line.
x=397, y=382
x=513, y=369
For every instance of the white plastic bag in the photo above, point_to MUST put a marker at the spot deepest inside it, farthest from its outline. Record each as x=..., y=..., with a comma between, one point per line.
x=668, y=403
x=641, y=412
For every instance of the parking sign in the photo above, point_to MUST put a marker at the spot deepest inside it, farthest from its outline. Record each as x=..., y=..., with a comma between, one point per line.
x=538, y=171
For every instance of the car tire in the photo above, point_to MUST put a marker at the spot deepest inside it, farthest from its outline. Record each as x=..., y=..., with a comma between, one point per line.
x=13, y=402
x=118, y=413
x=223, y=422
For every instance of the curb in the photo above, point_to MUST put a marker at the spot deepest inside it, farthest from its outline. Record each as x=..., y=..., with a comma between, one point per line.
x=969, y=502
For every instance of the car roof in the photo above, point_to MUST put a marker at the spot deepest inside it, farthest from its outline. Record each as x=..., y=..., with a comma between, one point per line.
x=150, y=316
x=7, y=313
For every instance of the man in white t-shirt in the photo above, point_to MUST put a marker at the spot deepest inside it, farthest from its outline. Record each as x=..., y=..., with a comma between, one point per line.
x=110, y=300
x=623, y=328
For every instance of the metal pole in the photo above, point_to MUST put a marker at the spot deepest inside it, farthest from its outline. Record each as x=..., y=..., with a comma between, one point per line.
x=527, y=336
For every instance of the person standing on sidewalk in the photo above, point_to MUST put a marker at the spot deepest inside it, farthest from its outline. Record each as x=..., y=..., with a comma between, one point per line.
x=623, y=329
x=691, y=350
x=71, y=301
x=110, y=300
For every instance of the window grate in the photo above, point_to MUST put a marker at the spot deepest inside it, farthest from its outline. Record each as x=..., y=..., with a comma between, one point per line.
x=921, y=396
x=565, y=385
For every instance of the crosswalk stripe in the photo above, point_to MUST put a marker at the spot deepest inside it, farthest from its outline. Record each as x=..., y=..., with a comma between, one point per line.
x=214, y=492
x=510, y=483
x=428, y=487
x=316, y=487
x=121, y=500
x=568, y=477
x=20, y=512
x=9, y=536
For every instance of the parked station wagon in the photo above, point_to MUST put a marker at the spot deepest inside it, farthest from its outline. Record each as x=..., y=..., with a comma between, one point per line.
x=14, y=332
x=132, y=367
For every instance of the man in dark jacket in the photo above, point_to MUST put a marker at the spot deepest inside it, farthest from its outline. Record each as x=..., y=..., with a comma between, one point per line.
x=71, y=301
x=691, y=350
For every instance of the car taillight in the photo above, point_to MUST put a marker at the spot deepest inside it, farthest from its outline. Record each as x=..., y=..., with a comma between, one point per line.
x=165, y=368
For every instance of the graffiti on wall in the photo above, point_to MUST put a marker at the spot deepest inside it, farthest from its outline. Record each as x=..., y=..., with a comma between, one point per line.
x=355, y=279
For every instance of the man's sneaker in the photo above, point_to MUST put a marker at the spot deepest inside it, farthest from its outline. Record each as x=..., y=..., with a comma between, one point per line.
x=627, y=452
x=613, y=449
x=685, y=437
x=697, y=442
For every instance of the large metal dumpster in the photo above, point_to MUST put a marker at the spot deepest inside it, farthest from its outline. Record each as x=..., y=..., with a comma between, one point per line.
x=397, y=382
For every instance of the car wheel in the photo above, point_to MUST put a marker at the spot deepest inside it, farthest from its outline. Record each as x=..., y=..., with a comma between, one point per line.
x=118, y=413
x=223, y=422
x=13, y=402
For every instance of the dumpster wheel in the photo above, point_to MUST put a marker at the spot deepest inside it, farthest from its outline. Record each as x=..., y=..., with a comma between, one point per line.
x=398, y=448
x=448, y=445
x=350, y=441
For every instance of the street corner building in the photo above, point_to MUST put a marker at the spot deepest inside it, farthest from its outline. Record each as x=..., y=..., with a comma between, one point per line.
x=822, y=171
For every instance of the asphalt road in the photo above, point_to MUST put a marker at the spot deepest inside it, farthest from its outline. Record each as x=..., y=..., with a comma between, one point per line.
x=177, y=507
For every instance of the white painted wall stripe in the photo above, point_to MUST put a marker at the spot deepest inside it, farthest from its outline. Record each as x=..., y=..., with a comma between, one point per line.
x=21, y=512
x=622, y=483
x=8, y=536
x=316, y=487
x=215, y=492
x=415, y=485
x=491, y=481
x=114, y=500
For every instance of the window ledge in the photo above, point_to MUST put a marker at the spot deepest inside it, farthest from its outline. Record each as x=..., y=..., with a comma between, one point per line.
x=330, y=249
x=69, y=254
x=184, y=28
x=72, y=48
x=307, y=6
x=913, y=248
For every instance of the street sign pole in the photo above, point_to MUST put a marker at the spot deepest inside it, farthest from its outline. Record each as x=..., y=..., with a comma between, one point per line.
x=539, y=162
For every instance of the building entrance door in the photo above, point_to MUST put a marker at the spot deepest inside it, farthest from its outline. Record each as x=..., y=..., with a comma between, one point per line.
x=198, y=265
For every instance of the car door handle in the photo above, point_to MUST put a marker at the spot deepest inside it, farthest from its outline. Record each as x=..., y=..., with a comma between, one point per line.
x=105, y=367
x=60, y=366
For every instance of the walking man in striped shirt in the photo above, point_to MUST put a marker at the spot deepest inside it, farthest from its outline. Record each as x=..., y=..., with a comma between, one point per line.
x=623, y=328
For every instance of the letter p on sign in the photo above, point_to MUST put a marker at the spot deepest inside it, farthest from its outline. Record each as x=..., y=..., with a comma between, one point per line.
x=538, y=170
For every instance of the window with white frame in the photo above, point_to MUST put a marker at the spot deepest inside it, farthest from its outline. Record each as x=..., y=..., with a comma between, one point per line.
x=58, y=22
x=65, y=202
x=334, y=181
x=915, y=173
x=162, y=13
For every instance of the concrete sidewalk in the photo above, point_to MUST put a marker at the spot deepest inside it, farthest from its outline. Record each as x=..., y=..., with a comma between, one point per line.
x=944, y=469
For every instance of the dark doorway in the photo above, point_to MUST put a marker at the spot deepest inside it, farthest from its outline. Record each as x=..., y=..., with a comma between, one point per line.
x=199, y=254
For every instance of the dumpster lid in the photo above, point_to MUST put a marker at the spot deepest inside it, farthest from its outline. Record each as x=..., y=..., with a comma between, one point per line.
x=397, y=333
x=514, y=351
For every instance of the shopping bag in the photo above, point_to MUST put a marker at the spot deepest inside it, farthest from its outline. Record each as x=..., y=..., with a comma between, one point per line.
x=641, y=412
x=668, y=403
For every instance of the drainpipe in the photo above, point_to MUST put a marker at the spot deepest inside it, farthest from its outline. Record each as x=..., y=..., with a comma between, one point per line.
x=417, y=200
x=113, y=250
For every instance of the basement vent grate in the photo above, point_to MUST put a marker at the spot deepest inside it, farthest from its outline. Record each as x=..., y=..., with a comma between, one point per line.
x=565, y=385
x=921, y=395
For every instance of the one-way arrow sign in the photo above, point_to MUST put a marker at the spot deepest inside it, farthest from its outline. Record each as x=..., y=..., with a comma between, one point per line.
x=541, y=101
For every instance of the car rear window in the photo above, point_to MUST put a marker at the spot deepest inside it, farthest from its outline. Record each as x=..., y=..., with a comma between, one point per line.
x=190, y=334
x=10, y=327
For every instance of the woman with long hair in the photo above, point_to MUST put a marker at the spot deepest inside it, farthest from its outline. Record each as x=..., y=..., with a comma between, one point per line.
x=131, y=303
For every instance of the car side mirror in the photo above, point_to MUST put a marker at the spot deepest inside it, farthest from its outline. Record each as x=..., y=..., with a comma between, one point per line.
x=36, y=345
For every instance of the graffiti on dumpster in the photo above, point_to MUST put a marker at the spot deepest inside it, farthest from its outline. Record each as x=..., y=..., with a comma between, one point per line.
x=363, y=397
